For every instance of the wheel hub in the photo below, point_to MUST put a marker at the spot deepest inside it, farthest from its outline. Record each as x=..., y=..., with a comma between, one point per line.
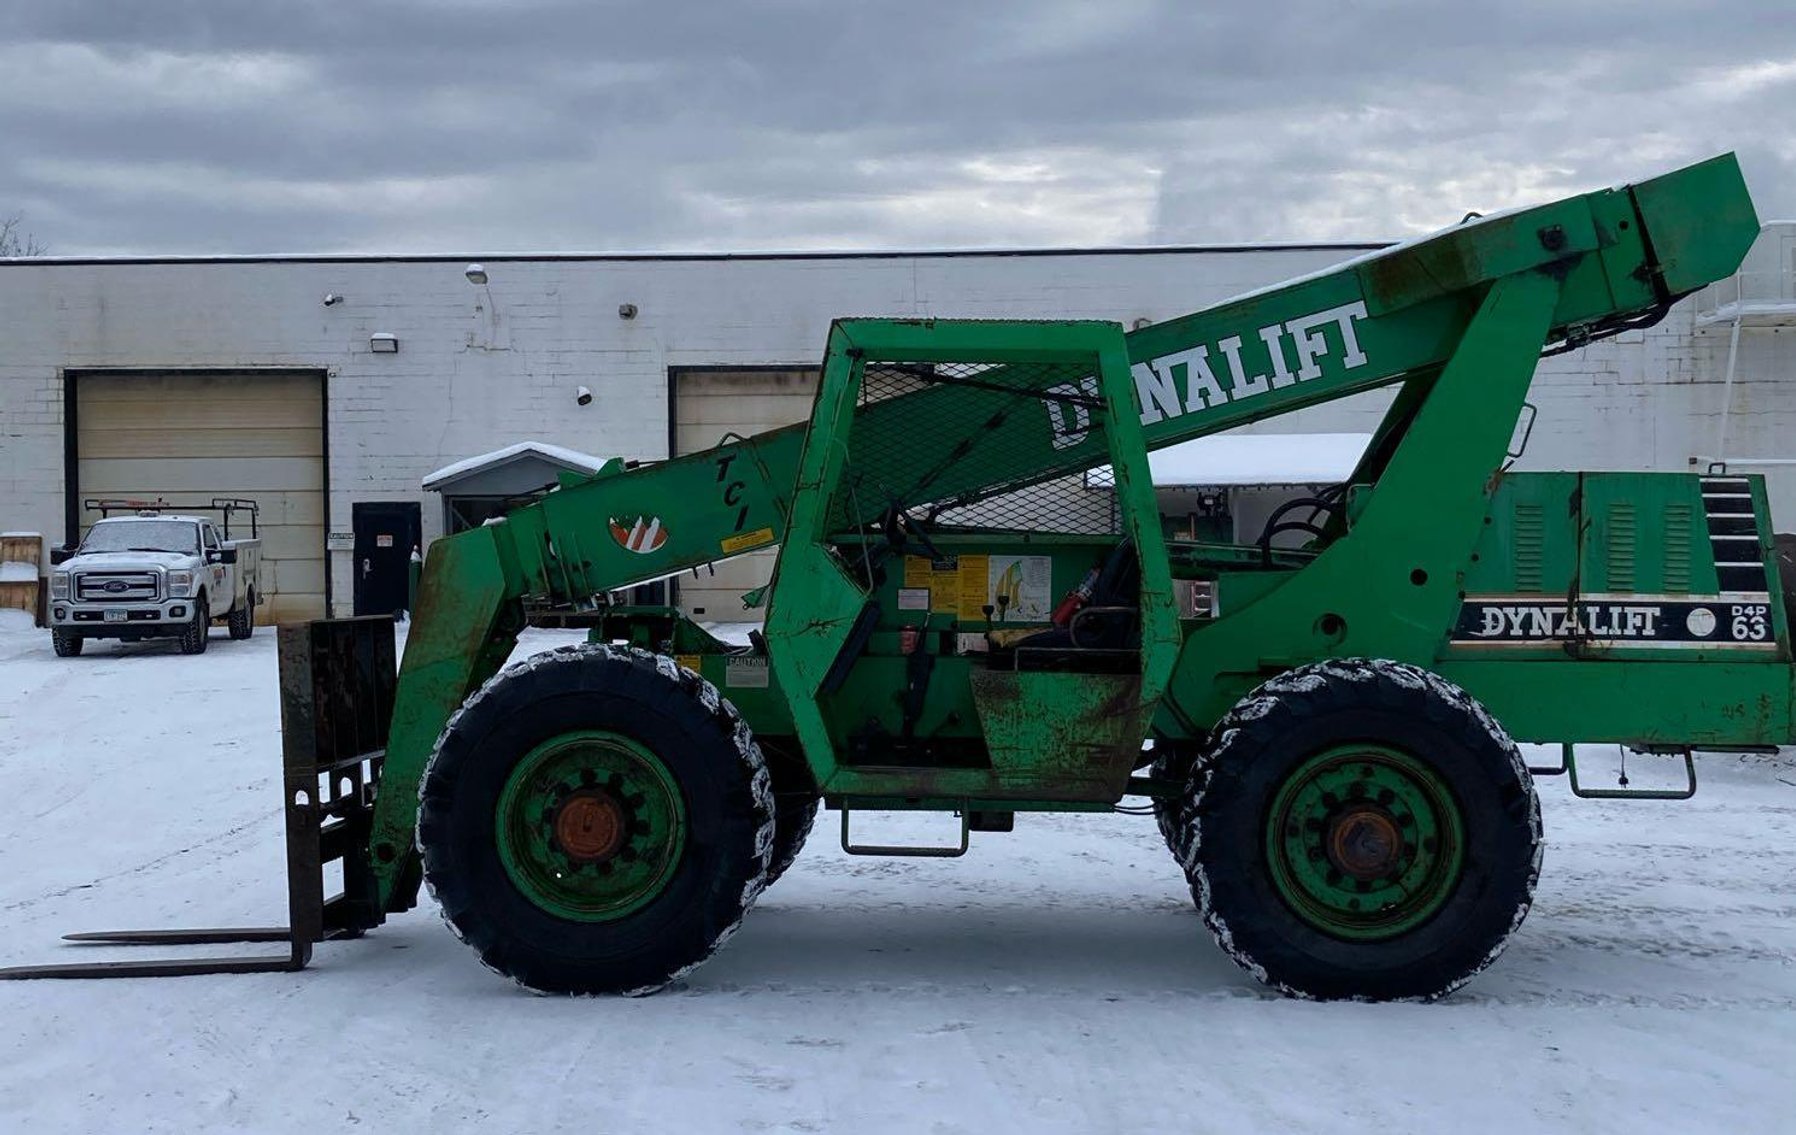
x=590, y=827
x=1364, y=842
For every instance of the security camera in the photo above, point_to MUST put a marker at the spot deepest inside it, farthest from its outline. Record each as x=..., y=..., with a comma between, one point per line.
x=332, y=299
x=476, y=273
x=583, y=396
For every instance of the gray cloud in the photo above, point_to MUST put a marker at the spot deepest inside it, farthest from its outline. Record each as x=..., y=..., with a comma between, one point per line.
x=449, y=125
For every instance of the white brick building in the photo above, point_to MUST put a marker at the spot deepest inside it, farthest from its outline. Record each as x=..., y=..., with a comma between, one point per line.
x=214, y=376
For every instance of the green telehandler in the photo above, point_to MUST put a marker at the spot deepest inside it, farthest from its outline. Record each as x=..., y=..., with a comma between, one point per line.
x=975, y=612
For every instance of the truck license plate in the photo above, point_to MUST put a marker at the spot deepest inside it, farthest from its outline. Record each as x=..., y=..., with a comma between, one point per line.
x=115, y=616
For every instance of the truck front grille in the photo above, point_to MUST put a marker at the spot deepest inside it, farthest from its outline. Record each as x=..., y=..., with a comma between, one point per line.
x=115, y=586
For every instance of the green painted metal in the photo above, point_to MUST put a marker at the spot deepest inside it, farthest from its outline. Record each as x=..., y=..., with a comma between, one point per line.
x=1076, y=734
x=1568, y=766
x=464, y=627
x=1388, y=587
x=1387, y=808
x=630, y=785
x=1456, y=321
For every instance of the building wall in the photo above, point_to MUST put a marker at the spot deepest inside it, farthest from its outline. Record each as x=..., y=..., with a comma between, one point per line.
x=483, y=366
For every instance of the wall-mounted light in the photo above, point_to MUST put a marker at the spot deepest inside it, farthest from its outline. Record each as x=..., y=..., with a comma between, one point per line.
x=381, y=343
x=476, y=273
x=626, y=311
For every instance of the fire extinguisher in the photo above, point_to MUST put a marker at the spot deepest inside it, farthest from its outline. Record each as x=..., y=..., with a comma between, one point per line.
x=1075, y=599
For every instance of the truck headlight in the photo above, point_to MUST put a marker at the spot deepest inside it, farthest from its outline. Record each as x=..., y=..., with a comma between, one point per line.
x=59, y=585
x=180, y=584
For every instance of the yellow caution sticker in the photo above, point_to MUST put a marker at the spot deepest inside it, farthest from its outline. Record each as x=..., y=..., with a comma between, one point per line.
x=747, y=540
x=975, y=585
x=690, y=661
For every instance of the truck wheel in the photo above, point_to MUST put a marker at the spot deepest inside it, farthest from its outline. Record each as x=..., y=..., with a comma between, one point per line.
x=242, y=620
x=1363, y=829
x=194, y=634
x=595, y=820
x=65, y=644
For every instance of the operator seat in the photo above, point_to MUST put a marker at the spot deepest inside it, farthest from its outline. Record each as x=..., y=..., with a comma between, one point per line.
x=1112, y=617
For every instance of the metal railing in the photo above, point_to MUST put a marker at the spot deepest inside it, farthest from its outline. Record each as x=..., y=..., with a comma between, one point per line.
x=1748, y=296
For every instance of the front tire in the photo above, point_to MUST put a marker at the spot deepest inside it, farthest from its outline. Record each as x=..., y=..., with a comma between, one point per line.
x=195, y=633
x=1365, y=830
x=595, y=820
x=66, y=644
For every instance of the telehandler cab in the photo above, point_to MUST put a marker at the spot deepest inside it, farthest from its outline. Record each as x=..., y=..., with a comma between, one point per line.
x=959, y=623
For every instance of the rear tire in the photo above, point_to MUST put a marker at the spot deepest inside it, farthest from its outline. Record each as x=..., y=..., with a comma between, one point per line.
x=195, y=633
x=704, y=815
x=1363, y=829
x=65, y=644
x=1172, y=763
x=795, y=811
x=795, y=803
x=242, y=620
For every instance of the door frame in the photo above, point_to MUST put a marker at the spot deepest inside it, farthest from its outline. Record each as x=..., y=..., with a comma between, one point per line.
x=414, y=508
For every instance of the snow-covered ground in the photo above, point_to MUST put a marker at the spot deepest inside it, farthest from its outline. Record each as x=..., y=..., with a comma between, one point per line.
x=1056, y=979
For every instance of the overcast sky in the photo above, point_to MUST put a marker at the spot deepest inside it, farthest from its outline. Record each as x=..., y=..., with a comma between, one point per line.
x=232, y=126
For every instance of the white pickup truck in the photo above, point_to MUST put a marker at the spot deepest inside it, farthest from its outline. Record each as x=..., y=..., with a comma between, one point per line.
x=154, y=575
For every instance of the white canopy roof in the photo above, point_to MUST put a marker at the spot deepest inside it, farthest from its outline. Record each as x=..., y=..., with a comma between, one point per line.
x=1250, y=459
x=554, y=454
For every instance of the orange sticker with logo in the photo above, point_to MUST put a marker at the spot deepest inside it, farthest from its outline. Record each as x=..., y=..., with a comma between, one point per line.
x=640, y=534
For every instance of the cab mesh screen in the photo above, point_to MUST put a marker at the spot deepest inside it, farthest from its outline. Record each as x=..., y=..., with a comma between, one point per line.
x=975, y=444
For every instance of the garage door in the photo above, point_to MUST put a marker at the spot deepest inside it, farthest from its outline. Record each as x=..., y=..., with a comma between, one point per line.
x=707, y=405
x=187, y=437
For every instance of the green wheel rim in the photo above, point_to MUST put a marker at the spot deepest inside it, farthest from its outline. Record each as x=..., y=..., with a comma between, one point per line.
x=1365, y=842
x=590, y=826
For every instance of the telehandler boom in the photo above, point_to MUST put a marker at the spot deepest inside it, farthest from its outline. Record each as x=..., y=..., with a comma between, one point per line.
x=973, y=611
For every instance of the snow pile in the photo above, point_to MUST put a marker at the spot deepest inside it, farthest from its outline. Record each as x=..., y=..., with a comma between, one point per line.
x=19, y=571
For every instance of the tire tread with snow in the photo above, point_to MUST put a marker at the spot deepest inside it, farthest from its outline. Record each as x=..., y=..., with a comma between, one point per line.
x=705, y=746
x=794, y=817
x=1267, y=736
x=796, y=802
